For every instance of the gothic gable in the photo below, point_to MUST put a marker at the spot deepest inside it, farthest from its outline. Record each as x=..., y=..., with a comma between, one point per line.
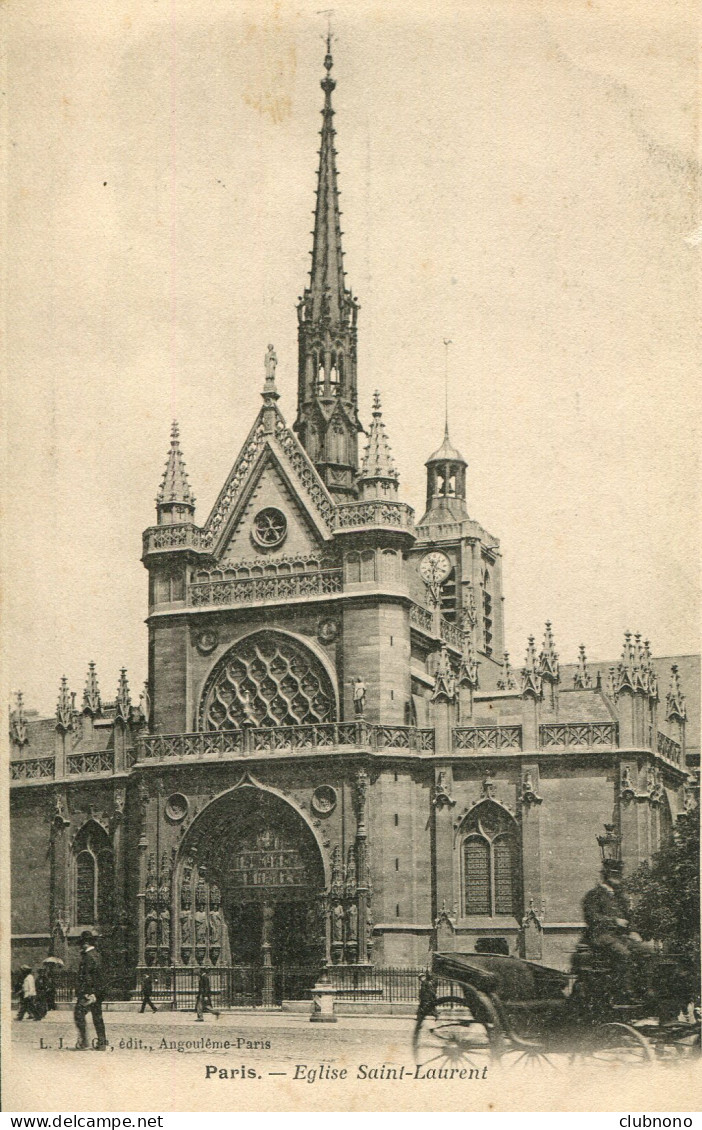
x=270, y=520
x=271, y=443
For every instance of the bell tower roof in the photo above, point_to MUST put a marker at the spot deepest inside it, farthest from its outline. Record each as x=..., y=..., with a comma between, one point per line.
x=447, y=452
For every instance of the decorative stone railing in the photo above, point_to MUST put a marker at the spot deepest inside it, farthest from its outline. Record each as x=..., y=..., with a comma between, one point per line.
x=32, y=769
x=669, y=748
x=389, y=515
x=79, y=764
x=421, y=618
x=254, y=590
x=487, y=737
x=185, y=536
x=579, y=735
x=280, y=739
x=452, y=634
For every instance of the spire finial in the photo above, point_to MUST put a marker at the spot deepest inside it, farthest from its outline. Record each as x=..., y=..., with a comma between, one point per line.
x=447, y=342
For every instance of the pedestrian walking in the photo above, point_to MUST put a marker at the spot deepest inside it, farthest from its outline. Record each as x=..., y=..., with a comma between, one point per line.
x=147, y=986
x=28, y=995
x=41, y=1005
x=90, y=992
x=204, y=996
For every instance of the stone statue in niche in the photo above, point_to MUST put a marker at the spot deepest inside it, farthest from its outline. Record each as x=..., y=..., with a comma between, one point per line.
x=200, y=919
x=353, y=922
x=215, y=927
x=186, y=930
x=151, y=928
x=165, y=921
x=359, y=697
x=337, y=922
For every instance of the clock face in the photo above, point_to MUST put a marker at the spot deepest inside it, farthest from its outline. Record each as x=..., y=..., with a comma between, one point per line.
x=435, y=567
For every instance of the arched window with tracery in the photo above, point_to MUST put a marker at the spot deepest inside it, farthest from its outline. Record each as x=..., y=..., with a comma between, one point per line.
x=267, y=679
x=94, y=876
x=490, y=863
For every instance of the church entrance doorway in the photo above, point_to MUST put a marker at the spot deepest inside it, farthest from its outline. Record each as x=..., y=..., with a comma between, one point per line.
x=251, y=899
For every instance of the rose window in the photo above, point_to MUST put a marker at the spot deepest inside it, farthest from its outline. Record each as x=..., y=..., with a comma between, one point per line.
x=267, y=680
x=270, y=527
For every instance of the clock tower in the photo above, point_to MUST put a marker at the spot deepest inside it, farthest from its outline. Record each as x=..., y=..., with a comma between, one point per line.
x=459, y=561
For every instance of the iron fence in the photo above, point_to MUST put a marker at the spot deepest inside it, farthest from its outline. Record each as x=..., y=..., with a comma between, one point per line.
x=253, y=986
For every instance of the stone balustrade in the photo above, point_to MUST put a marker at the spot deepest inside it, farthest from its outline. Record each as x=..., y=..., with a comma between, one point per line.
x=257, y=590
x=284, y=739
x=487, y=737
x=85, y=764
x=329, y=736
x=670, y=749
x=579, y=735
x=375, y=512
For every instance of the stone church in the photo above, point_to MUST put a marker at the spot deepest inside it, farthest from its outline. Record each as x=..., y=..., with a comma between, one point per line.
x=333, y=761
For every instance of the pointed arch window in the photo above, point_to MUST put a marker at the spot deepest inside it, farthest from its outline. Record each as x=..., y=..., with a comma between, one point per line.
x=487, y=614
x=490, y=863
x=94, y=876
x=335, y=375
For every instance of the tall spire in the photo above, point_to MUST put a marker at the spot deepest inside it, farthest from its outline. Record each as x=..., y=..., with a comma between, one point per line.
x=379, y=475
x=175, y=501
x=327, y=291
x=327, y=418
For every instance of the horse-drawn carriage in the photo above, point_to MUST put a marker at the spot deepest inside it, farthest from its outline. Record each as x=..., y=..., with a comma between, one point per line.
x=520, y=1013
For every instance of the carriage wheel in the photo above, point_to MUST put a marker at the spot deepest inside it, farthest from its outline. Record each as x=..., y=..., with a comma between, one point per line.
x=615, y=1042
x=518, y=1059
x=450, y=1037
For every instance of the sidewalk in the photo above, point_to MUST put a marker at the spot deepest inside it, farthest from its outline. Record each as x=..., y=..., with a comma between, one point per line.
x=239, y=1018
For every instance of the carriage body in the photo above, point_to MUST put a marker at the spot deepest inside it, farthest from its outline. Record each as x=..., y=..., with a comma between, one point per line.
x=510, y=1008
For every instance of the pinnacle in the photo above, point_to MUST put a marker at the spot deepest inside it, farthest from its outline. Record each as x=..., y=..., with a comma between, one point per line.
x=175, y=486
x=378, y=462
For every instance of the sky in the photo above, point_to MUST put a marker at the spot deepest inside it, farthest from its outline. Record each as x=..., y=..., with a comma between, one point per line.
x=520, y=179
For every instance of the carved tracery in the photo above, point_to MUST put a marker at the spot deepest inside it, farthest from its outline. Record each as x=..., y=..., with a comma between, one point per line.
x=267, y=679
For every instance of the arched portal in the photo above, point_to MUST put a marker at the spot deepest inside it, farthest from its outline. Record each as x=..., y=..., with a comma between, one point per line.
x=250, y=885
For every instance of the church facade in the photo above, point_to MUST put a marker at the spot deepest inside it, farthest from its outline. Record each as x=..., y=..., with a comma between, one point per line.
x=333, y=761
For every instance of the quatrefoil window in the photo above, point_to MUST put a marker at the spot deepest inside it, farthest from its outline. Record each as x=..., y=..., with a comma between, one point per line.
x=270, y=527
x=268, y=679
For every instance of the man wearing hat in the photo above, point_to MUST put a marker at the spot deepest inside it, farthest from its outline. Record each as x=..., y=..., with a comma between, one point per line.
x=28, y=994
x=90, y=992
x=608, y=929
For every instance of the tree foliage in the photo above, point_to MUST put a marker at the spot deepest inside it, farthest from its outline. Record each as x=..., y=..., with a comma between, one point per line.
x=666, y=893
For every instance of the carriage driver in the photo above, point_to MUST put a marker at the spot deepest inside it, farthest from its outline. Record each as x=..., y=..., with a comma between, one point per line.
x=609, y=930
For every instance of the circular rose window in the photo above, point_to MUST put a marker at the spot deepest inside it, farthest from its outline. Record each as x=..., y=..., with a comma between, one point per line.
x=269, y=528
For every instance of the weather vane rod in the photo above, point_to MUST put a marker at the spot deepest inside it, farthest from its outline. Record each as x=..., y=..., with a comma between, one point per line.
x=447, y=342
x=328, y=12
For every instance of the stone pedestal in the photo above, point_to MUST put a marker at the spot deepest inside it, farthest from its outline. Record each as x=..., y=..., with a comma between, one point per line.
x=323, y=995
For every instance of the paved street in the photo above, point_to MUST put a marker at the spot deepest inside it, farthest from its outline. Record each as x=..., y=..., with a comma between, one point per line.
x=276, y=1061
